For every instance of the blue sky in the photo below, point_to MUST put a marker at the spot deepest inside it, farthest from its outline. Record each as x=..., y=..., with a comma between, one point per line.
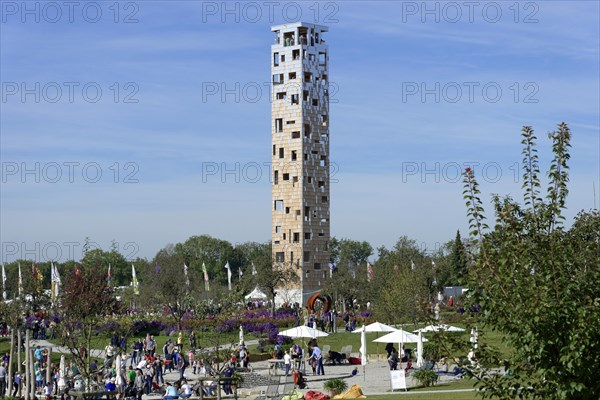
x=395, y=153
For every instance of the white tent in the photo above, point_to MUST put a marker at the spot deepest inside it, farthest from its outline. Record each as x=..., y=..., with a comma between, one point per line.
x=256, y=294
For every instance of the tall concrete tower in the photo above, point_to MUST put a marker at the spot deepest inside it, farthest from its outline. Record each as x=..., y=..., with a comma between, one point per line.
x=300, y=168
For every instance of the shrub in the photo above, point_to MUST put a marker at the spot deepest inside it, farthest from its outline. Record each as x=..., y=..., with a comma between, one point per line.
x=335, y=385
x=426, y=377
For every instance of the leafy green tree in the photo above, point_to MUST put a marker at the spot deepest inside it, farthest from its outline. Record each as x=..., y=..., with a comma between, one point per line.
x=120, y=269
x=537, y=283
x=213, y=252
x=350, y=275
x=169, y=288
x=404, y=282
x=271, y=276
x=85, y=300
x=458, y=261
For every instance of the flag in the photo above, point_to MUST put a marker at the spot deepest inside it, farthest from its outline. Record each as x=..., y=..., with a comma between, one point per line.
x=37, y=277
x=20, y=281
x=3, y=283
x=109, y=274
x=34, y=273
x=240, y=273
x=134, y=281
x=370, y=273
x=228, y=275
x=206, y=284
x=332, y=268
x=185, y=273
x=55, y=281
x=254, y=269
x=412, y=265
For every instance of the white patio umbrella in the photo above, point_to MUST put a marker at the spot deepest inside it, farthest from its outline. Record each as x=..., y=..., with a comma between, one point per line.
x=376, y=327
x=62, y=373
x=303, y=331
x=241, y=334
x=442, y=327
x=420, y=360
x=363, y=349
x=118, y=379
x=399, y=336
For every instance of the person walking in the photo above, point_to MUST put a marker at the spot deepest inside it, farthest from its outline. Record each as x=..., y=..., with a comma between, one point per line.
x=3, y=375
x=287, y=360
x=139, y=384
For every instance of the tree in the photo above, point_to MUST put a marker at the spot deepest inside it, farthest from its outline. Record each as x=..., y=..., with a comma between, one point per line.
x=214, y=253
x=172, y=289
x=404, y=282
x=271, y=276
x=120, y=269
x=350, y=275
x=458, y=260
x=537, y=283
x=86, y=298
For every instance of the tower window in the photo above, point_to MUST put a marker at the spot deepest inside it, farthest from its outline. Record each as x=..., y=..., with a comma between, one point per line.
x=308, y=77
x=286, y=177
x=296, y=54
x=276, y=177
x=322, y=58
x=295, y=99
x=277, y=79
x=275, y=59
x=287, y=210
x=296, y=135
x=278, y=205
x=296, y=237
x=294, y=155
x=278, y=229
x=280, y=256
x=317, y=266
x=307, y=235
x=274, y=150
x=292, y=75
x=278, y=124
x=323, y=199
x=305, y=95
x=306, y=256
x=307, y=130
x=281, y=95
x=315, y=102
x=281, y=152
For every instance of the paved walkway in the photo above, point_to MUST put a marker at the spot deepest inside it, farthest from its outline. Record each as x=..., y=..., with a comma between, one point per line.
x=374, y=378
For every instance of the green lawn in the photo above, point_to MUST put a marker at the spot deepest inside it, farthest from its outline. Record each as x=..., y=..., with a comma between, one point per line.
x=423, y=396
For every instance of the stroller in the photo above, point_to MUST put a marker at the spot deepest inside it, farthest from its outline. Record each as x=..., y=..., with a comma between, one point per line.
x=299, y=380
x=130, y=392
